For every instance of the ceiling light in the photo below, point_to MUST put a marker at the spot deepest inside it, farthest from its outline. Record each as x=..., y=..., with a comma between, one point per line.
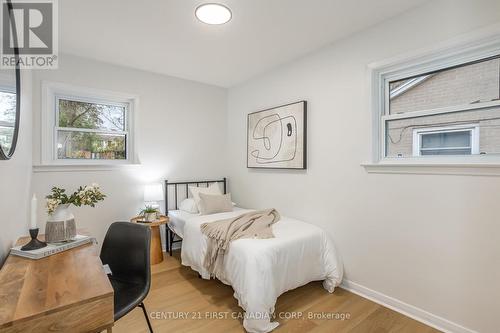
x=213, y=13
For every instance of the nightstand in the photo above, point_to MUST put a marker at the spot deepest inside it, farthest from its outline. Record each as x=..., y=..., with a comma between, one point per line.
x=156, y=249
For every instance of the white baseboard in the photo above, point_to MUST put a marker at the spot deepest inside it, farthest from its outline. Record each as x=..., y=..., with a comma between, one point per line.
x=406, y=309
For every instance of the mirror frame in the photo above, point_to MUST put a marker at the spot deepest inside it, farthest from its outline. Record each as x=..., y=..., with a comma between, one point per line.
x=10, y=153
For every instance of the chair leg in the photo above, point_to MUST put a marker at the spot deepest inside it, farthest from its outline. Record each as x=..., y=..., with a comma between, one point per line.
x=143, y=307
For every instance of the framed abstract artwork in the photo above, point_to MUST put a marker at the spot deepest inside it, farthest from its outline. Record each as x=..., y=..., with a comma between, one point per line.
x=276, y=137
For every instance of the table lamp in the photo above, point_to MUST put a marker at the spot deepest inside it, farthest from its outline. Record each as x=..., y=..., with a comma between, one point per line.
x=152, y=194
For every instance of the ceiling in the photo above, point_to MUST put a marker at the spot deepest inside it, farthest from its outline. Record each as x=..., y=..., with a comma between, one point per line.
x=163, y=36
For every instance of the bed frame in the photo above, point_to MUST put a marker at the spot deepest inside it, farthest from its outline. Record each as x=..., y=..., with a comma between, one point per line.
x=169, y=234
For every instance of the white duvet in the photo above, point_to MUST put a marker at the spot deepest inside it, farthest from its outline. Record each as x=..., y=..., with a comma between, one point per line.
x=260, y=270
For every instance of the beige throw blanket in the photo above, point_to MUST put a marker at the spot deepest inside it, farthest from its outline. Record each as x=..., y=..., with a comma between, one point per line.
x=220, y=233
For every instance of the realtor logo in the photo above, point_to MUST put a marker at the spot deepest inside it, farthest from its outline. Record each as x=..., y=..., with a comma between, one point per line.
x=30, y=28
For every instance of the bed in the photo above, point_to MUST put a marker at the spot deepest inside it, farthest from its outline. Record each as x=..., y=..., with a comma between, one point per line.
x=259, y=270
x=178, y=220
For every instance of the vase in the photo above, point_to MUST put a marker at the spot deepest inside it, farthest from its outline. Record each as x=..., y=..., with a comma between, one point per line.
x=150, y=217
x=61, y=226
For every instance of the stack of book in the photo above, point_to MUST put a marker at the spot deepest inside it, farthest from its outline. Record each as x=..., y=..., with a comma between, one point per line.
x=52, y=248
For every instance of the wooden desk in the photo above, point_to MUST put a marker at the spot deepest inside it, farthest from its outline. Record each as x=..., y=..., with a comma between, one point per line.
x=156, y=252
x=66, y=292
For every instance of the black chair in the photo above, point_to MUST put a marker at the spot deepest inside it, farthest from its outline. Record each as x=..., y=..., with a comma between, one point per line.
x=126, y=250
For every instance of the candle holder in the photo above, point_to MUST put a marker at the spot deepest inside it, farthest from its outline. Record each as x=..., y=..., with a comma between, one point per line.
x=34, y=243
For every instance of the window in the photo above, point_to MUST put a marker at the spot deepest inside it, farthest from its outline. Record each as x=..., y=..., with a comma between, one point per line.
x=82, y=126
x=90, y=130
x=443, y=106
x=457, y=140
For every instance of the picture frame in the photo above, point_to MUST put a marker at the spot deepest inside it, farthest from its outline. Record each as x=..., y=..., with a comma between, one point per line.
x=277, y=137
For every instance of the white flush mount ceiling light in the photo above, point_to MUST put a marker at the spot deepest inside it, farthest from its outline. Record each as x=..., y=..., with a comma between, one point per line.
x=213, y=13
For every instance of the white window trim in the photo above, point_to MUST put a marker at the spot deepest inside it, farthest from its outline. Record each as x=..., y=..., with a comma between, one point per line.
x=472, y=128
x=464, y=49
x=48, y=141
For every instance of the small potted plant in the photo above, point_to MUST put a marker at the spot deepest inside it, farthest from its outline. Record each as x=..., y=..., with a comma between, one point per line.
x=149, y=213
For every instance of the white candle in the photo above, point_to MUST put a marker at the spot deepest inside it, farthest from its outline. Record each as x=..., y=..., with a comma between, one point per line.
x=33, y=212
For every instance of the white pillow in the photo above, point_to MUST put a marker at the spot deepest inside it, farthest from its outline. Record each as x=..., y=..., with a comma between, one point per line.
x=189, y=205
x=195, y=192
x=213, y=204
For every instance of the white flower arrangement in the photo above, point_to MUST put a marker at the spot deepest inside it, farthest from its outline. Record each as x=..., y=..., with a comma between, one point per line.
x=87, y=195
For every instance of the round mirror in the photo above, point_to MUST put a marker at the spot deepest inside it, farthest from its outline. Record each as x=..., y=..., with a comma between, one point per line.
x=9, y=105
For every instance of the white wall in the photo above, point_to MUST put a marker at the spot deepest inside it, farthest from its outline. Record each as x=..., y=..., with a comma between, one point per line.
x=430, y=241
x=15, y=177
x=180, y=133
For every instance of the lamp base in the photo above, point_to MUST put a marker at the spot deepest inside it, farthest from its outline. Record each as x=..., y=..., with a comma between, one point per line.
x=34, y=243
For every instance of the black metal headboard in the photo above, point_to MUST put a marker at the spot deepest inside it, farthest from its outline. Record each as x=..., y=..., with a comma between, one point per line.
x=176, y=186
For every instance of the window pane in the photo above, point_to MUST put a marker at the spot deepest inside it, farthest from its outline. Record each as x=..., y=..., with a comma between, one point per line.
x=7, y=118
x=450, y=139
x=78, y=114
x=399, y=132
x=90, y=146
x=471, y=83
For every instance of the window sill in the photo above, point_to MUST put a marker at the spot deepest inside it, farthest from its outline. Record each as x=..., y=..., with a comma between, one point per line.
x=82, y=167
x=434, y=168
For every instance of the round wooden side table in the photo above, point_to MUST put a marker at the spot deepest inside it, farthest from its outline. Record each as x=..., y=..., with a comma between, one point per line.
x=156, y=249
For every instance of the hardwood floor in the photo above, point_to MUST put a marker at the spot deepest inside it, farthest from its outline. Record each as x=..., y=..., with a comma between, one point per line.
x=177, y=291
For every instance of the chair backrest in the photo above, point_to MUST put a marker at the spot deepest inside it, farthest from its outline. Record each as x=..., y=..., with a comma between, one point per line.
x=126, y=250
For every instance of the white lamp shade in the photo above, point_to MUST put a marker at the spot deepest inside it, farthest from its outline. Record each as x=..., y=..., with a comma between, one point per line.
x=153, y=192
